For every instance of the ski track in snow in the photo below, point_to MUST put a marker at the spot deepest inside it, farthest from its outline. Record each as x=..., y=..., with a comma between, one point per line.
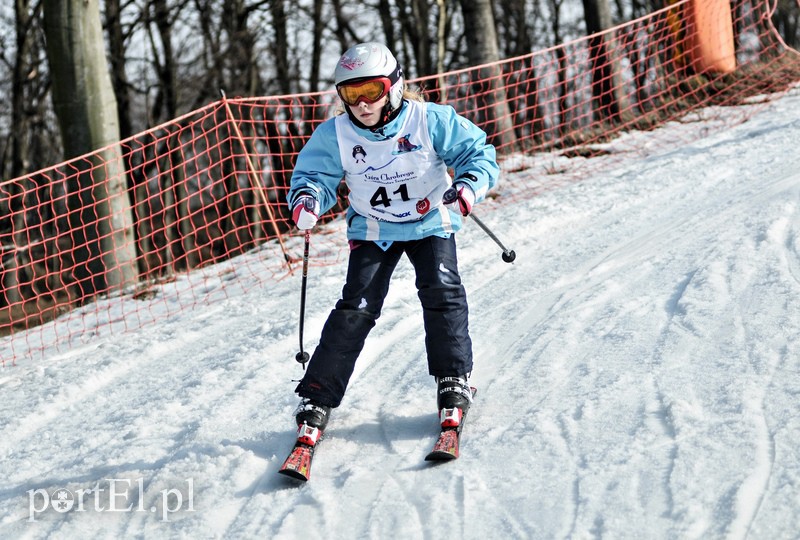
x=637, y=367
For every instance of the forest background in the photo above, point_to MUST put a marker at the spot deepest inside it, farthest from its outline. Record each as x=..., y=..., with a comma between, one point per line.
x=169, y=57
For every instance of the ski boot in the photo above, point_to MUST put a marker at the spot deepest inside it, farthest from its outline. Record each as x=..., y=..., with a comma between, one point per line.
x=453, y=399
x=312, y=419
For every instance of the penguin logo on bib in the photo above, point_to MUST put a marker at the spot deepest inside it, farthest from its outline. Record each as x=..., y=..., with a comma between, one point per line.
x=359, y=154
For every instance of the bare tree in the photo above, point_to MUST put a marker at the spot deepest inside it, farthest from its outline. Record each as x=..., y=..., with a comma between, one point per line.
x=605, y=85
x=116, y=58
x=515, y=22
x=480, y=27
x=562, y=85
x=31, y=142
x=787, y=20
x=415, y=27
x=317, y=26
x=84, y=102
x=280, y=47
x=157, y=13
x=23, y=65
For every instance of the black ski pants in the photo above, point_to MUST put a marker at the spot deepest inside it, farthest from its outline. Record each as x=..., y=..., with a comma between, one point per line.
x=370, y=268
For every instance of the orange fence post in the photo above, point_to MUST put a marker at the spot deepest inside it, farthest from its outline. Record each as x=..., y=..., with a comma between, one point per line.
x=710, y=39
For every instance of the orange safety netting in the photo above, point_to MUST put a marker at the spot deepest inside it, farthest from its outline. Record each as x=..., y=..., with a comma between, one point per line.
x=164, y=207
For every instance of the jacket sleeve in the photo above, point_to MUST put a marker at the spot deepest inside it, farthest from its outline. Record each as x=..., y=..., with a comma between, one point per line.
x=463, y=147
x=318, y=169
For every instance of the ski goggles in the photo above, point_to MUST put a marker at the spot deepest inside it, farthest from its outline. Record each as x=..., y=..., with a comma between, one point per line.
x=369, y=91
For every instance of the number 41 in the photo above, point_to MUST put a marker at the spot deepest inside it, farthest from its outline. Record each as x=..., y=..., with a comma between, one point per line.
x=381, y=196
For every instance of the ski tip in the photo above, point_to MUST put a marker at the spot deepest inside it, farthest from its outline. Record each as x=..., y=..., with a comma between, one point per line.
x=440, y=455
x=294, y=475
x=298, y=465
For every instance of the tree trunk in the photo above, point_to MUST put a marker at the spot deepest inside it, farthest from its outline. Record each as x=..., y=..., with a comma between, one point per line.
x=787, y=20
x=167, y=96
x=280, y=47
x=318, y=26
x=84, y=102
x=119, y=78
x=479, y=28
x=606, y=94
x=420, y=41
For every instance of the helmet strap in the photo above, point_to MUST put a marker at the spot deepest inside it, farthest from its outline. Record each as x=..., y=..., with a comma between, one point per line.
x=386, y=114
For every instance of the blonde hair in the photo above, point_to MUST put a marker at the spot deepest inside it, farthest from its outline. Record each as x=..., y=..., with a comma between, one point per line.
x=413, y=95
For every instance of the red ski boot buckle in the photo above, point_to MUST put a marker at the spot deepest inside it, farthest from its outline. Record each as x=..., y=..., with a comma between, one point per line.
x=450, y=417
x=308, y=435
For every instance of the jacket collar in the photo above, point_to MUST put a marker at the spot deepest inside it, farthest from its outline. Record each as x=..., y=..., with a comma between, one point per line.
x=387, y=131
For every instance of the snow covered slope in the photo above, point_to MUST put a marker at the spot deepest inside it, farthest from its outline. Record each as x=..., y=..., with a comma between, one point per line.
x=638, y=366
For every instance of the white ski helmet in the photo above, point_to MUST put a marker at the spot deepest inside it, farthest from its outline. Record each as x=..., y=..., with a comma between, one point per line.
x=370, y=60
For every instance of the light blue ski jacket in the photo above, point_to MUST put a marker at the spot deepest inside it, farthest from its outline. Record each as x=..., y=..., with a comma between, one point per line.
x=457, y=141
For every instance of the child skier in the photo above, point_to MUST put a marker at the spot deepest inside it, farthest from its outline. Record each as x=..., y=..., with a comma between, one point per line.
x=393, y=151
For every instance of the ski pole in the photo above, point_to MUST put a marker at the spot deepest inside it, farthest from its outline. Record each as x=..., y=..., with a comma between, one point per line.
x=450, y=196
x=508, y=254
x=302, y=356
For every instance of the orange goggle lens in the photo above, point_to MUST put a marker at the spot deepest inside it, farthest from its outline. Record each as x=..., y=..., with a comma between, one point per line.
x=369, y=91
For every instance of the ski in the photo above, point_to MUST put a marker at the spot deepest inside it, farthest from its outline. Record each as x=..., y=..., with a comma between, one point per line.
x=447, y=445
x=298, y=464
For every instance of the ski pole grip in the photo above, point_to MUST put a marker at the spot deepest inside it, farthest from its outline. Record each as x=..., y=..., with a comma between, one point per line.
x=309, y=203
x=450, y=196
